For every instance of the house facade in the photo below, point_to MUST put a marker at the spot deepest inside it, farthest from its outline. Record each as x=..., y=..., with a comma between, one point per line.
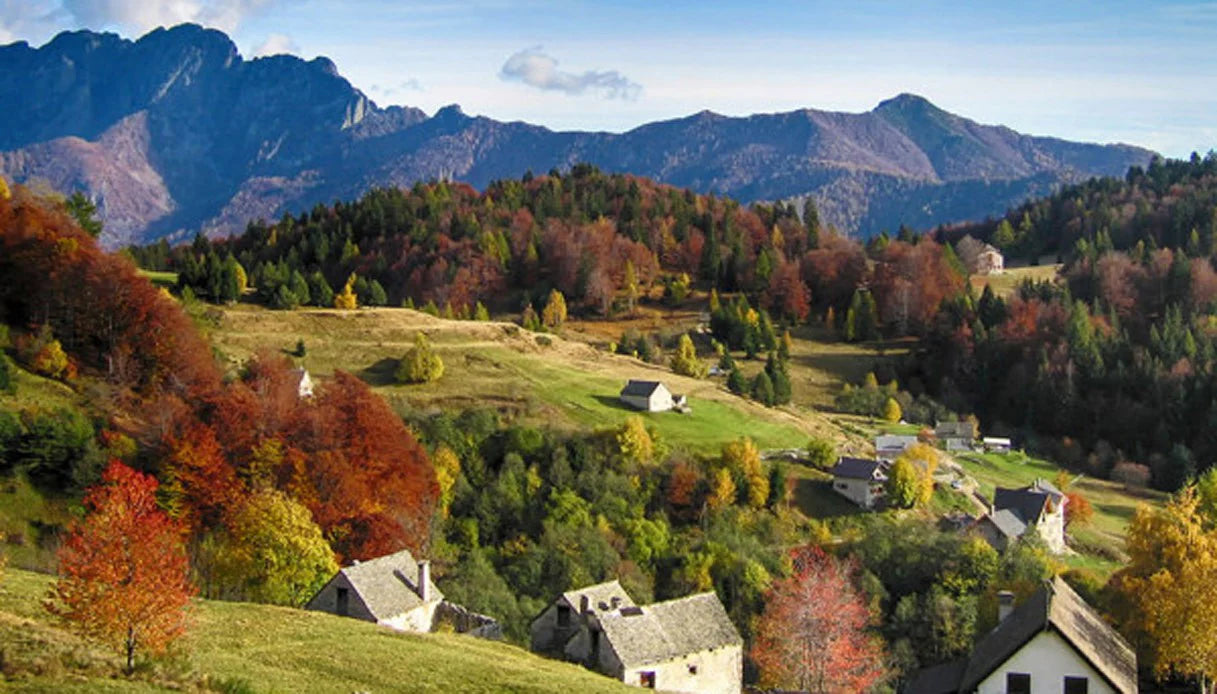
x=648, y=396
x=682, y=645
x=1052, y=643
x=859, y=480
x=394, y=590
x=956, y=436
x=979, y=257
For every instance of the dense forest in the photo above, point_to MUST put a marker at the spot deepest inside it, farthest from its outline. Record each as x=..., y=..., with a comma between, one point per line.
x=1169, y=204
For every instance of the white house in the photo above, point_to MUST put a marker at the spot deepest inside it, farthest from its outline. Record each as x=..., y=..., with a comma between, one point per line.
x=888, y=447
x=859, y=480
x=996, y=444
x=683, y=645
x=304, y=383
x=1053, y=643
x=1039, y=505
x=393, y=590
x=650, y=396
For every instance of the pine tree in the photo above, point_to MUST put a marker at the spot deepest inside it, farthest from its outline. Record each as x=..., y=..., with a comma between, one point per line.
x=762, y=389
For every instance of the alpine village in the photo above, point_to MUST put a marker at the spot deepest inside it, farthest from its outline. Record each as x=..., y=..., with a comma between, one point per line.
x=299, y=393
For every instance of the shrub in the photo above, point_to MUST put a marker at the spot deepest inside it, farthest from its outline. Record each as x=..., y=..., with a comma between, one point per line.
x=421, y=364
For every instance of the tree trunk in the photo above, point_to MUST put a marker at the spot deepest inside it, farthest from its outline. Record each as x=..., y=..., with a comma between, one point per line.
x=130, y=650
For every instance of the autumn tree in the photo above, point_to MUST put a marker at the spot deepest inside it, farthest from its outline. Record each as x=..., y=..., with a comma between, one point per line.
x=270, y=551
x=420, y=364
x=903, y=484
x=722, y=489
x=630, y=284
x=447, y=469
x=685, y=361
x=554, y=313
x=346, y=299
x=743, y=459
x=812, y=635
x=634, y=442
x=1167, y=596
x=123, y=569
x=1078, y=510
x=891, y=411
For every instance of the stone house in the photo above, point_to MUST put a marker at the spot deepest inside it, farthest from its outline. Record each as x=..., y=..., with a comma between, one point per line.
x=1039, y=505
x=956, y=436
x=859, y=480
x=979, y=257
x=1052, y=643
x=650, y=396
x=888, y=447
x=393, y=590
x=683, y=645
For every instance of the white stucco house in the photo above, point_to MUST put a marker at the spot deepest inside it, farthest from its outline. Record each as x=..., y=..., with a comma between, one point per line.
x=996, y=444
x=1052, y=643
x=1039, y=506
x=304, y=383
x=683, y=645
x=860, y=480
x=650, y=396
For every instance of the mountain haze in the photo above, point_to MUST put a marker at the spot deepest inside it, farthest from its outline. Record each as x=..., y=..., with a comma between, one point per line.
x=176, y=132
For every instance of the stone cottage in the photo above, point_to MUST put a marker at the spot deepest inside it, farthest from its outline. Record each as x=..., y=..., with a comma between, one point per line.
x=1039, y=505
x=683, y=645
x=393, y=590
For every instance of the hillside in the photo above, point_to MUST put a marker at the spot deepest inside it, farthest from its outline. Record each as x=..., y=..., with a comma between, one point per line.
x=129, y=122
x=546, y=379
x=259, y=648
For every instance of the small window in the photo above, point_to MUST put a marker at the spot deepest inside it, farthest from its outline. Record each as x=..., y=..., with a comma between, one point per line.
x=646, y=680
x=343, y=602
x=563, y=616
x=1077, y=685
x=1018, y=683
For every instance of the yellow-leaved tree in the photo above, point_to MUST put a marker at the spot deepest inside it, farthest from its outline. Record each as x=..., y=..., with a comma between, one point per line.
x=447, y=469
x=554, y=313
x=635, y=442
x=420, y=364
x=346, y=299
x=910, y=481
x=685, y=361
x=1168, y=597
x=743, y=460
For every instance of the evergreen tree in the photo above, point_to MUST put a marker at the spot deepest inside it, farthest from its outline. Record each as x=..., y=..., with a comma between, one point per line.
x=762, y=389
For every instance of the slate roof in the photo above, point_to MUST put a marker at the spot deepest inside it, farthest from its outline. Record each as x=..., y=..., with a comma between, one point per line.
x=1028, y=503
x=640, y=388
x=954, y=430
x=859, y=469
x=600, y=597
x=388, y=585
x=939, y=679
x=893, y=442
x=1055, y=607
x=1007, y=523
x=669, y=630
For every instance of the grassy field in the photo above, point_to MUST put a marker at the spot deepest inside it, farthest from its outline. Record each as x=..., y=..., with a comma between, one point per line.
x=161, y=279
x=257, y=648
x=539, y=378
x=1005, y=283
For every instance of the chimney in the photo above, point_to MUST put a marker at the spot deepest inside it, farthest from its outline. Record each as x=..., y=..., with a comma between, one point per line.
x=616, y=602
x=585, y=604
x=424, y=580
x=1005, y=605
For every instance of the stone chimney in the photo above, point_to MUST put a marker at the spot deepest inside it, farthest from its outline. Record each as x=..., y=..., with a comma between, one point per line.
x=1005, y=605
x=585, y=604
x=616, y=602
x=424, y=580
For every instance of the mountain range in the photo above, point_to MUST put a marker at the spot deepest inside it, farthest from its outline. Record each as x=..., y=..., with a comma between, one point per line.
x=176, y=133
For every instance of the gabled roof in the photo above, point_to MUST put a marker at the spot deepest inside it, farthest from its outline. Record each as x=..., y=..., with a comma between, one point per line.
x=1007, y=523
x=600, y=597
x=954, y=430
x=641, y=388
x=1055, y=607
x=859, y=469
x=938, y=679
x=668, y=630
x=893, y=441
x=388, y=585
x=1028, y=503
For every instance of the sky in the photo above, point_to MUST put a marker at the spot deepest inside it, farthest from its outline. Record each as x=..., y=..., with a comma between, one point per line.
x=1143, y=73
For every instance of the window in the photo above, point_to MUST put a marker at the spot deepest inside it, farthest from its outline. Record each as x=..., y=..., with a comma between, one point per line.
x=646, y=679
x=563, y=616
x=1018, y=683
x=1077, y=685
x=692, y=669
x=343, y=601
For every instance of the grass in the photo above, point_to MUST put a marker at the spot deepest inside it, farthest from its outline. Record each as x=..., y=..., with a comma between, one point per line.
x=273, y=649
x=543, y=379
x=1006, y=283
x=33, y=390
x=167, y=280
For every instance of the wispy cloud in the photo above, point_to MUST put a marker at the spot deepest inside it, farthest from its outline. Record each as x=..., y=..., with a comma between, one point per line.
x=395, y=90
x=20, y=19
x=138, y=16
x=536, y=69
x=277, y=44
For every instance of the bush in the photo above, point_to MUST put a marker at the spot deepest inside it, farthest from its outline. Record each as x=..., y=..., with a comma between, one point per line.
x=420, y=365
x=821, y=453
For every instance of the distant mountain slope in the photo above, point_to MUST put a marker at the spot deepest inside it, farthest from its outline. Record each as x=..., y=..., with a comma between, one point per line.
x=176, y=131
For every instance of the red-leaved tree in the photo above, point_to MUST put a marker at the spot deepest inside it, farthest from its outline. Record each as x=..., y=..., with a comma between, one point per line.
x=123, y=569
x=813, y=633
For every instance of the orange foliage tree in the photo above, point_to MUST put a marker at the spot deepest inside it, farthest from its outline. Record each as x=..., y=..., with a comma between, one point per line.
x=123, y=569
x=813, y=635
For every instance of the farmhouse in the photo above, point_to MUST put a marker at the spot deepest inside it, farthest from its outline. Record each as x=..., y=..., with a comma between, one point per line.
x=888, y=447
x=956, y=436
x=686, y=645
x=393, y=590
x=860, y=480
x=1039, y=505
x=1054, y=642
x=978, y=257
x=651, y=396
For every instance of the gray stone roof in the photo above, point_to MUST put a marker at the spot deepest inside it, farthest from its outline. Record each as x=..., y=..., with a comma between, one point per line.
x=954, y=430
x=938, y=679
x=388, y=585
x=1055, y=607
x=1007, y=523
x=600, y=597
x=640, y=388
x=669, y=630
x=1028, y=503
x=859, y=469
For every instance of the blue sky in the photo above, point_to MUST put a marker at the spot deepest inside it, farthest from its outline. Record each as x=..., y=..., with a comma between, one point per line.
x=1115, y=71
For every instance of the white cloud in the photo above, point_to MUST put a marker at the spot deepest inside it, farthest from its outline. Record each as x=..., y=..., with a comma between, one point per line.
x=26, y=19
x=277, y=44
x=139, y=16
x=536, y=69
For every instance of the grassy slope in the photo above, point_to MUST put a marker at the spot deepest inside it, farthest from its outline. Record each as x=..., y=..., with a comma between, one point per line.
x=1005, y=283
x=275, y=649
x=543, y=378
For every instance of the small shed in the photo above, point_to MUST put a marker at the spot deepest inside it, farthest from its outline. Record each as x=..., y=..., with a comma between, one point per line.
x=648, y=396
